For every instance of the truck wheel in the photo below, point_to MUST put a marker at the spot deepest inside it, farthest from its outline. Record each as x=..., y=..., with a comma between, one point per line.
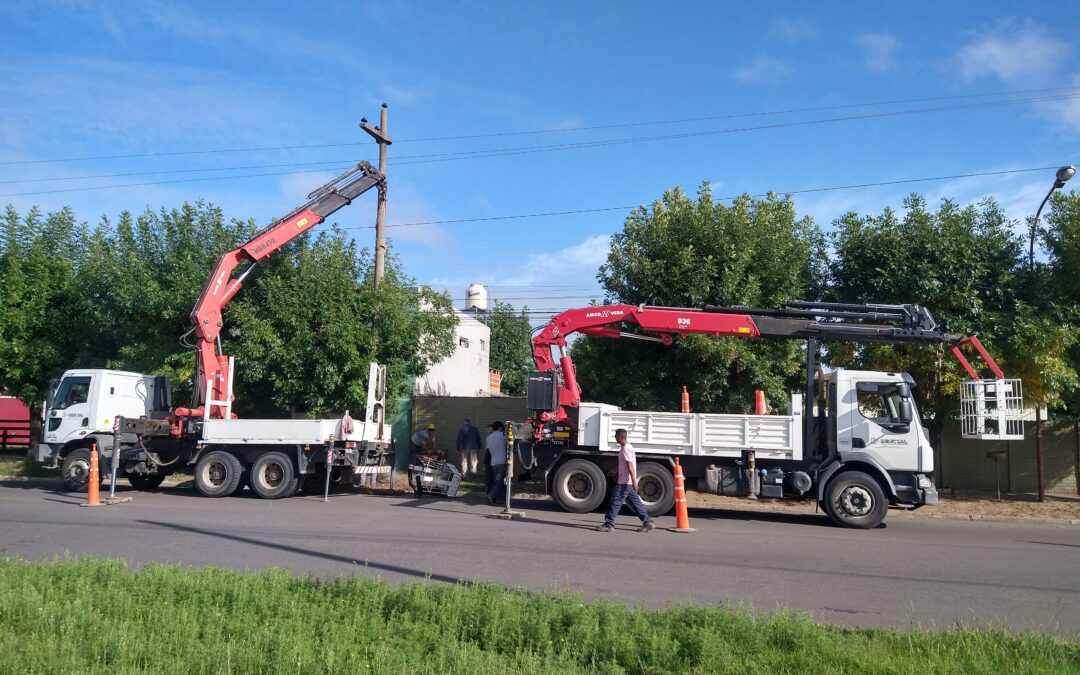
x=218, y=474
x=146, y=482
x=579, y=486
x=75, y=471
x=273, y=476
x=656, y=487
x=856, y=500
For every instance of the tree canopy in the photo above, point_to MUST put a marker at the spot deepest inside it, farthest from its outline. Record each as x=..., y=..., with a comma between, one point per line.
x=692, y=252
x=303, y=329
x=511, y=347
x=967, y=264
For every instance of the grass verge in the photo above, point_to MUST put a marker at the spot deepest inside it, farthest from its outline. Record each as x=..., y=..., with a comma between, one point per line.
x=91, y=615
x=16, y=465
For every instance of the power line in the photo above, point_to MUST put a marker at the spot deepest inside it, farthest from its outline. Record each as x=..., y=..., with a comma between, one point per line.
x=833, y=188
x=504, y=152
x=497, y=152
x=542, y=131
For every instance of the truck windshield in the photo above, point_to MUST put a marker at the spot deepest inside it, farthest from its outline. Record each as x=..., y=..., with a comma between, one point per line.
x=880, y=403
x=71, y=391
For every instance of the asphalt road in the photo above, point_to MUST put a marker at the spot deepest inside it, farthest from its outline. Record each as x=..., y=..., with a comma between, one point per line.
x=912, y=572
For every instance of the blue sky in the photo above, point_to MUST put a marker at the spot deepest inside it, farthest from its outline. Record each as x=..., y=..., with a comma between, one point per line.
x=89, y=79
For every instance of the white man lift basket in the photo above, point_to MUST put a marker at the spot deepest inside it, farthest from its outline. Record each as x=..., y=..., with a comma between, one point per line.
x=992, y=410
x=432, y=476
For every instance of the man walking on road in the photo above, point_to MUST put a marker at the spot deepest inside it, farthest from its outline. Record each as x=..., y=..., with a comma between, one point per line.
x=468, y=444
x=496, y=445
x=625, y=489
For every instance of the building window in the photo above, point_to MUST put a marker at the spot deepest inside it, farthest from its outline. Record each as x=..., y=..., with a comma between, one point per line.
x=463, y=342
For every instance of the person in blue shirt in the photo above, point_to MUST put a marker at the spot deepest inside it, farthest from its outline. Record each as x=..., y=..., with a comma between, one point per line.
x=468, y=444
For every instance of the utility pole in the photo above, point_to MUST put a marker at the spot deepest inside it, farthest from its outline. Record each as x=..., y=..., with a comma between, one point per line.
x=383, y=139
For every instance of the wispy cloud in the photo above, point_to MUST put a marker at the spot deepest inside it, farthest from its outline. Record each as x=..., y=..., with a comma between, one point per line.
x=576, y=263
x=406, y=205
x=879, y=50
x=1015, y=55
x=793, y=30
x=1022, y=55
x=762, y=68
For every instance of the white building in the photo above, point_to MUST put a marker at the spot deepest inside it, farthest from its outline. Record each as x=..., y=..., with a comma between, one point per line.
x=466, y=371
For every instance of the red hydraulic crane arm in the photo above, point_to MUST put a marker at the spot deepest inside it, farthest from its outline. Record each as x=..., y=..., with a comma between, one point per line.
x=892, y=324
x=663, y=322
x=221, y=287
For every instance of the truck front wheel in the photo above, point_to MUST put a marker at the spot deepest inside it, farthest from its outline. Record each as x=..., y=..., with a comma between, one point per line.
x=856, y=500
x=273, y=476
x=75, y=471
x=579, y=486
x=656, y=487
x=218, y=474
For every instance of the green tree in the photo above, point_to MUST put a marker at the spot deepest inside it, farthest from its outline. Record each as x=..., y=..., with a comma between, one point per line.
x=1061, y=236
x=966, y=265
x=511, y=346
x=39, y=258
x=308, y=327
x=303, y=329
x=686, y=252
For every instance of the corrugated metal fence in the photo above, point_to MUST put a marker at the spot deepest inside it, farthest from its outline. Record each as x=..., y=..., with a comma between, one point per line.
x=447, y=412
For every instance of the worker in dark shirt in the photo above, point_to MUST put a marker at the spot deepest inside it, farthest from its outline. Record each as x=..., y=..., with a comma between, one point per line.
x=468, y=444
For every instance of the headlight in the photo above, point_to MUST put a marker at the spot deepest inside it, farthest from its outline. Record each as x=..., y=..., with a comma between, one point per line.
x=925, y=482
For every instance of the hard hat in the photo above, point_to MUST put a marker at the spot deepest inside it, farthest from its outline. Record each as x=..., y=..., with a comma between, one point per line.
x=431, y=427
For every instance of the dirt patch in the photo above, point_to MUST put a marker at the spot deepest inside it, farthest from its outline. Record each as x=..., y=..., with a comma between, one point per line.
x=966, y=505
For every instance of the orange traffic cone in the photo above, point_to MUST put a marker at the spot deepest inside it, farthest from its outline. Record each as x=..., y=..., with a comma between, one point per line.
x=682, y=518
x=759, y=402
x=92, y=497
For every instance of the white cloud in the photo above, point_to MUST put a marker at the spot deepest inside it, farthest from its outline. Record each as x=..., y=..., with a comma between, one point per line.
x=793, y=30
x=879, y=50
x=405, y=205
x=1023, y=56
x=576, y=263
x=1017, y=56
x=402, y=95
x=761, y=68
x=1065, y=112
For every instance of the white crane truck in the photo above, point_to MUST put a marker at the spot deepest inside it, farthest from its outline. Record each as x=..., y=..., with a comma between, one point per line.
x=854, y=442
x=130, y=416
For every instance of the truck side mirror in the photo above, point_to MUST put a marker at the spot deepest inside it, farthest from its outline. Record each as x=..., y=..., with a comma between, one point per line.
x=907, y=413
x=904, y=390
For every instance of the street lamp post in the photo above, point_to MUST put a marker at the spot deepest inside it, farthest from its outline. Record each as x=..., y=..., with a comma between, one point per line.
x=1063, y=175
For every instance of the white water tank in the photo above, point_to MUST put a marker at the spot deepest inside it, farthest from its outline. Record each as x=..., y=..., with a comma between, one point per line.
x=476, y=297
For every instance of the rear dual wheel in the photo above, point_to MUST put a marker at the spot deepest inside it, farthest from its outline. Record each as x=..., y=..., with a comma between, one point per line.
x=218, y=474
x=273, y=476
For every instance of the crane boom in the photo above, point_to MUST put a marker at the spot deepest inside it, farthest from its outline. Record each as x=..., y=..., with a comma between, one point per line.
x=843, y=322
x=221, y=287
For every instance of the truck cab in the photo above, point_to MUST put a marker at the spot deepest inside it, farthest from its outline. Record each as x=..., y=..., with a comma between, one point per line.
x=81, y=409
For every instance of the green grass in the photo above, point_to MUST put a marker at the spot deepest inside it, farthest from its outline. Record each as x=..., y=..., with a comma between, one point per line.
x=15, y=465
x=90, y=615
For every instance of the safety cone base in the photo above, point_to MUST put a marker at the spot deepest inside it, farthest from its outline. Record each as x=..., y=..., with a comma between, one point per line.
x=682, y=529
x=109, y=501
x=506, y=515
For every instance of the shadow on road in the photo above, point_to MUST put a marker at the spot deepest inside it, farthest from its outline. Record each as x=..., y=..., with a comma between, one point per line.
x=713, y=513
x=50, y=485
x=398, y=569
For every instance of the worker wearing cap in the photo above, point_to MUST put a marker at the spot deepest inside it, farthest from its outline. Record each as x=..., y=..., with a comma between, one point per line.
x=424, y=440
